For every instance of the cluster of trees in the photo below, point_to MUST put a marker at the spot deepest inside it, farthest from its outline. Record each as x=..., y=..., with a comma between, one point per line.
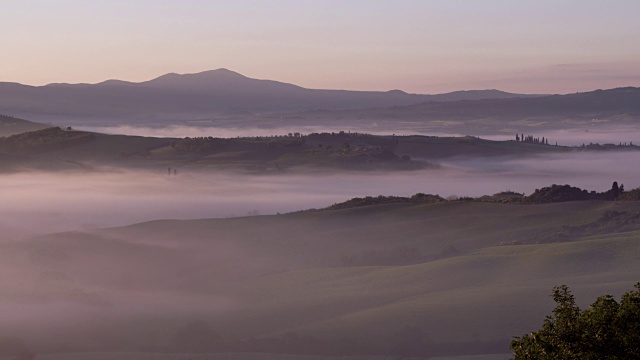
x=337, y=134
x=532, y=140
x=371, y=140
x=7, y=118
x=631, y=195
x=550, y=194
x=560, y=193
x=419, y=198
x=53, y=138
x=208, y=144
x=607, y=329
x=199, y=144
x=598, y=146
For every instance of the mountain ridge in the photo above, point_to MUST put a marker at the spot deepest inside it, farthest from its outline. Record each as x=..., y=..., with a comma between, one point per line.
x=197, y=96
x=230, y=74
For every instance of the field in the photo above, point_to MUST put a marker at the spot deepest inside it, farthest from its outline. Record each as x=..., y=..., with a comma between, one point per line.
x=451, y=278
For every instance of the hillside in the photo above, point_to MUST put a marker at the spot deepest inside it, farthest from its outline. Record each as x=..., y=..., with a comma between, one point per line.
x=67, y=148
x=12, y=126
x=204, y=95
x=443, y=278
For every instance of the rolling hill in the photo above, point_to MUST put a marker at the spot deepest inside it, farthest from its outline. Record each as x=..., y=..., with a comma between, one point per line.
x=56, y=148
x=12, y=126
x=446, y=278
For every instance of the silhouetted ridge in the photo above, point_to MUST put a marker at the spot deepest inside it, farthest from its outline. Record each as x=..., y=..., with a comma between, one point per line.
x=198, y=96
x=550, y=194
x=380, y=200
x=48, y=139
x=612, y=101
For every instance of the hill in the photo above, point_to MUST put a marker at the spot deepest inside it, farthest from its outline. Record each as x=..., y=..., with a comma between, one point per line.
x=12, y=126
x=403, y=279
x=67, y=148
x=204, y=95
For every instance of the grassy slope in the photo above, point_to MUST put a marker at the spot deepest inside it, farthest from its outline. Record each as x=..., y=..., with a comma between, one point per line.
x=285, y=273
x=491, y=293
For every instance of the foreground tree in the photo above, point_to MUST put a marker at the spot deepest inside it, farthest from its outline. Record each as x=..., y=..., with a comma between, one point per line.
x=606, y=330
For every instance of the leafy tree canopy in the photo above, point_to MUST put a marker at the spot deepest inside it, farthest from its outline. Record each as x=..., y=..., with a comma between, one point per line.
x=606, y=330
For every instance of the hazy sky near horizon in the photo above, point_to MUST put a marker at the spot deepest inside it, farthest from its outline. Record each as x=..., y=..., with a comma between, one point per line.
x=422, y=46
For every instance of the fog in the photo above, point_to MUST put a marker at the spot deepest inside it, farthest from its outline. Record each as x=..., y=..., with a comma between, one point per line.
x=180, y=131
x=90, y=285
x=583, y=135
x=602, y=133
x=38, y=203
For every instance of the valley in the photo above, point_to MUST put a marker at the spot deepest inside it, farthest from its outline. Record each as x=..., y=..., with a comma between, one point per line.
x=362, y=280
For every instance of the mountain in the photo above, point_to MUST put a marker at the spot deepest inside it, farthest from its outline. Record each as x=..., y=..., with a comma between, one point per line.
x=196, y=96
x=594, y=103
x=600, y=109
x=600, y=102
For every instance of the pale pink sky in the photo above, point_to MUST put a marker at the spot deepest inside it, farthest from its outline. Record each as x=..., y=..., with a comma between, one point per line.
x=421, y=46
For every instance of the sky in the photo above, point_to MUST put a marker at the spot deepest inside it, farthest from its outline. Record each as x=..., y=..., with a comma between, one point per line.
x=419, y=46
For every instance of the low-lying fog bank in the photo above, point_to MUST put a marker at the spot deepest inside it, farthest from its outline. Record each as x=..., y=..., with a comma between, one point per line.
x=574, y=136
x=37, y=202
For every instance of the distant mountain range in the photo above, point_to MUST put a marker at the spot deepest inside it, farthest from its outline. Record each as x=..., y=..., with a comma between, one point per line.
x=201, y=95
x=593, y=104
x=225, y=98
x=599, y=102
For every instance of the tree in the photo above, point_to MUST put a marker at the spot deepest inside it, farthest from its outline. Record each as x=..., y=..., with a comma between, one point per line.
x=605, y=330
x=615, y=190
